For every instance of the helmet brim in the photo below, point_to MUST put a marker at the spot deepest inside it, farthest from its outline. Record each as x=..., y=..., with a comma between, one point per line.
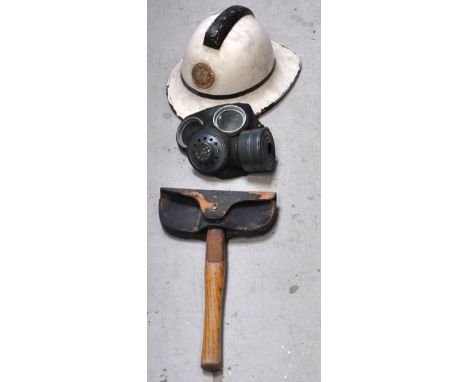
x=288, y=66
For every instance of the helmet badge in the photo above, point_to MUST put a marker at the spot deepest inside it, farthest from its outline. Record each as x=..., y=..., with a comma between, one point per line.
x=203, y=75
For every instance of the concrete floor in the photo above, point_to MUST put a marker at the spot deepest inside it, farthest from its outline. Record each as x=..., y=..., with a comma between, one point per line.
x=272, y=306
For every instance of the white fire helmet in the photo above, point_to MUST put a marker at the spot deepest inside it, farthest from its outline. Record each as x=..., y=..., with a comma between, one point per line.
x=230, y=58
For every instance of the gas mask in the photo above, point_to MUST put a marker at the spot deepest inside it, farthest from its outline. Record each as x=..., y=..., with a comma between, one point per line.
x=227, y=141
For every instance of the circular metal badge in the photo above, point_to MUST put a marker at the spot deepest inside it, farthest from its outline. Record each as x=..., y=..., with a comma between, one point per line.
x=203, y=75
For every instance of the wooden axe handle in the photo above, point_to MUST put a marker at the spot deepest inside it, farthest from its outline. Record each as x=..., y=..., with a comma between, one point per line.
x=211, y=358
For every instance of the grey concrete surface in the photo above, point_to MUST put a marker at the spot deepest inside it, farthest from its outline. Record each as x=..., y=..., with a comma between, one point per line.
x=272, y=307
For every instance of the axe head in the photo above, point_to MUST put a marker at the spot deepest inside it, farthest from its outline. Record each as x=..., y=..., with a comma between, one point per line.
x=190, y=213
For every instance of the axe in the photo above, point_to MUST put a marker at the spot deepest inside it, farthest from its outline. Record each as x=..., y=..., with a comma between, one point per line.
x=215, y=216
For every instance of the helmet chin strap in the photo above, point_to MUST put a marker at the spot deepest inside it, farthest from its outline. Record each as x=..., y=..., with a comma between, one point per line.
x=228, y=96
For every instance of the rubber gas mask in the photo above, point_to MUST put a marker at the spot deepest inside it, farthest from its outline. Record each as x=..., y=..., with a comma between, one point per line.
x=227, y=141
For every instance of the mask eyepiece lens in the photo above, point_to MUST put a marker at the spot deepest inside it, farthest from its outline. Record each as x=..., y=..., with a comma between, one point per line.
x=187, y=128
x=229, y=119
